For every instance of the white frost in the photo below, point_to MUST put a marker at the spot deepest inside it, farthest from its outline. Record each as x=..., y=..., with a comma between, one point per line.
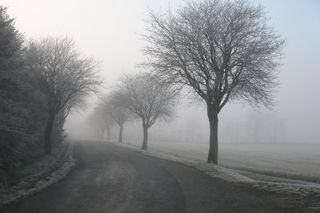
x=270, y=183
x=40, y=178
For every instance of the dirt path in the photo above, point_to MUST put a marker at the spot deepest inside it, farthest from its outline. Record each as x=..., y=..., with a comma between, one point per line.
x=109, y=178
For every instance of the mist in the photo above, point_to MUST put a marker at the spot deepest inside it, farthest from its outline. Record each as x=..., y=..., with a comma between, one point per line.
x=111, y=32
x=120, y=106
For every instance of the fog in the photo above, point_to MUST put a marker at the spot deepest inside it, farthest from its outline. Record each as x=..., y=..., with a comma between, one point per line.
x=110, y=32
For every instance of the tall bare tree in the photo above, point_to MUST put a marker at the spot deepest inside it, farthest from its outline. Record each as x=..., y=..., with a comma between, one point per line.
x=65, y=76
x=149, y=99
x=221, y=50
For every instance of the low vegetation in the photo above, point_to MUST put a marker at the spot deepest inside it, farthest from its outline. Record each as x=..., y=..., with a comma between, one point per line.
x=33, y=177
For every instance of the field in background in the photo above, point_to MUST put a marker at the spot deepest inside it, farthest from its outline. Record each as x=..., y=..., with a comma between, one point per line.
x=300, y=161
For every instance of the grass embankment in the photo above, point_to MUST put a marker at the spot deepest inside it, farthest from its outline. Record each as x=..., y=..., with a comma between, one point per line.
x=33, y=177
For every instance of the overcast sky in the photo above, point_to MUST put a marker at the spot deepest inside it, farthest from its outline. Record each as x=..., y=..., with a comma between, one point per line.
x=109, y=31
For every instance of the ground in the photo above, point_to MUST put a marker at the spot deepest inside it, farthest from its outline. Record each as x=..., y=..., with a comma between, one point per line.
x=299, y=161
x=109, y=178
x=35, y=176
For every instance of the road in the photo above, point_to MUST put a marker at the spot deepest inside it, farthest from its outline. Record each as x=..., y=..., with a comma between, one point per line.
x=112, y=179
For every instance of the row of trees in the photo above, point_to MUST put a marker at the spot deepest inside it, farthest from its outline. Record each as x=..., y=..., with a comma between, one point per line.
x=41, y=80
x=220, y=50
x=138, y=96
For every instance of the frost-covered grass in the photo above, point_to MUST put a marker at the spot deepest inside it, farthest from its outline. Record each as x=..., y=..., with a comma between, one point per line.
x=256, y=158
x=36, y=176
x=296, y=161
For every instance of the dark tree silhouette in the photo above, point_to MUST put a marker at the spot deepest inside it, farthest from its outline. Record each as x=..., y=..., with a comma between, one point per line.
x=221, y=50
x=65, y=77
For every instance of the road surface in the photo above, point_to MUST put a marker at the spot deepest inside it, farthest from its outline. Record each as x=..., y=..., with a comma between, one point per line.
x=112, y=179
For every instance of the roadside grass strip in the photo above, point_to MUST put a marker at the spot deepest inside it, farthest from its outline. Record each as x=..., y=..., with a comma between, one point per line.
x=38, y=175
x=261, y=181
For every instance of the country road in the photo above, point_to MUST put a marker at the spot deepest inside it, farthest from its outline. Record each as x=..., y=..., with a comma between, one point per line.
x=108, y=178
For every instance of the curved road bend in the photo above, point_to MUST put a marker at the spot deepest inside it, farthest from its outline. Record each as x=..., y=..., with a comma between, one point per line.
x=112, y=179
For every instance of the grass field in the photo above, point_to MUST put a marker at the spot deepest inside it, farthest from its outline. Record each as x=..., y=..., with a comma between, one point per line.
x=298, y=161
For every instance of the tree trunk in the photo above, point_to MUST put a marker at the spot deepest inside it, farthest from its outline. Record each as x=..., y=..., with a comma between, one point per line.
x=120, y=133
x=213, y=121
x=47, y=133
x=145, y=137
x=108, y=134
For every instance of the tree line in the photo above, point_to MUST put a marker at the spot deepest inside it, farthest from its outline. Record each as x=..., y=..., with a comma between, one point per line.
x=219, y=51
x=41, y=80
x=137, y=96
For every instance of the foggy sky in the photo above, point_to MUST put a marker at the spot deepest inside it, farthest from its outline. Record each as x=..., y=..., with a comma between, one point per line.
x=109, y=31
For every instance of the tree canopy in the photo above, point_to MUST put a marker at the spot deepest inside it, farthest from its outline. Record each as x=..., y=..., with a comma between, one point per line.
x=64, y=76
x=220, y=50
x=147, y=98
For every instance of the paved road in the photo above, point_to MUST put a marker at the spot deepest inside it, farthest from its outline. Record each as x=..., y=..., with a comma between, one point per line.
x=112, y=179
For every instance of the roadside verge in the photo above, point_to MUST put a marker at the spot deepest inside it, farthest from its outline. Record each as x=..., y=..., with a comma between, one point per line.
x=38, y=175
x=269, y=183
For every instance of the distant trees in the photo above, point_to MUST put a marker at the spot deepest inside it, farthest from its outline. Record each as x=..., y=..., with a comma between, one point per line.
x=108, y=123
x=262, y=127
x=221, y=50
x=110, y=110
x=64, y=76
x=148, y=99
x=115, y=106
x=138, y=96
x=100, y=121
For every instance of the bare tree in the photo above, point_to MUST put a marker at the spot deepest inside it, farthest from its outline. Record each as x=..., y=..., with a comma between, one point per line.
x=108, y=122
x=149, y=99
x=114, y=105
x=100, y=120
x=221, y=50
x=64, y=76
